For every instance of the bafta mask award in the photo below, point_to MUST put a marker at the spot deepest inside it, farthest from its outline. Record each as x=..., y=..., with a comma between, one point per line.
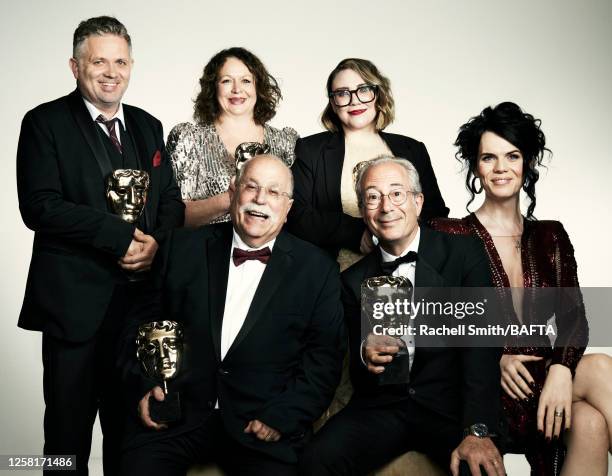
x=379, y=322
x=160, y=352
x=126, y=192
x=248, y=150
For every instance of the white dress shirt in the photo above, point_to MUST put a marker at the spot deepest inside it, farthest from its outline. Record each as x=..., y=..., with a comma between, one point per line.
x=94, y=113
x=242, y=282
x=408, y=270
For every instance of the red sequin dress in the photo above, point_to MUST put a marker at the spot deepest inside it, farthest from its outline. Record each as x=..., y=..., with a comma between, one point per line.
x=547, y=258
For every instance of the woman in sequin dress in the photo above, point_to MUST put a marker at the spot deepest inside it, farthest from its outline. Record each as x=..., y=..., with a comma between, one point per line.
x=325, y=212
x=545, y=389
x=237, y=99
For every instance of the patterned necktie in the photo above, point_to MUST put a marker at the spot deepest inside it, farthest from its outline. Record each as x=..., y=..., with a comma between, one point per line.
x=240, y=256
x=391, y=266
x=110, y=126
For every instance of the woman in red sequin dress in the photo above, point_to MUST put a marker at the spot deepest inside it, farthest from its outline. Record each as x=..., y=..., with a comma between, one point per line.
x=546, y=389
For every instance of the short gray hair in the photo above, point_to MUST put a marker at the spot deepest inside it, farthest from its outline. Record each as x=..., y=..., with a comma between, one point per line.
x=413, y=175
x=241, y=170
x=99, y=26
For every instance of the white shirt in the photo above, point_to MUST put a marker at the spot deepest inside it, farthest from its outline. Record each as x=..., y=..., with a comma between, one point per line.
x=94, y=113
x=242, y=283
x=408, y=270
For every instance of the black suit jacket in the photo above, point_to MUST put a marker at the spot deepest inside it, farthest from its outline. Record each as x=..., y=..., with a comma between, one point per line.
x=62, y=164
x=285, y=362
x=459, y=383
x=316, y=214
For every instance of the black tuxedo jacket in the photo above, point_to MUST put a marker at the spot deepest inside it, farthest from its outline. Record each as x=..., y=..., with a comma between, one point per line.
x=285, y=362
x=316, y=214
x=62, y=164
x=459, y=383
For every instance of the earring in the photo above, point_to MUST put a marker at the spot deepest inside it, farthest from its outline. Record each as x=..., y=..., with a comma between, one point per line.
x=473, y=185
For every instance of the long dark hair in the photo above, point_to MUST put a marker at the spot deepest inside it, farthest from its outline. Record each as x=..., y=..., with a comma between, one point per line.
x=521, y=129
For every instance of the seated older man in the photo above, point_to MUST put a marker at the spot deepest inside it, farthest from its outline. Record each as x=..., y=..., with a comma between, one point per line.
x=264, y=338
x=449, y=407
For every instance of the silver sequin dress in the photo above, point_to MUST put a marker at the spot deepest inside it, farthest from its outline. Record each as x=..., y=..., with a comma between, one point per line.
x=202, y=165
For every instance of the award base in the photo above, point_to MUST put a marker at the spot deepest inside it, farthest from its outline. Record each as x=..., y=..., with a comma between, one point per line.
x=397, y=371
x=168, y=411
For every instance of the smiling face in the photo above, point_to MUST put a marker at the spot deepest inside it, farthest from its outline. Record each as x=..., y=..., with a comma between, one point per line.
x=500, y=167
x=261, y=201
x=357, y=115
x=102, y=70
x=394, y=225
x=236, y=89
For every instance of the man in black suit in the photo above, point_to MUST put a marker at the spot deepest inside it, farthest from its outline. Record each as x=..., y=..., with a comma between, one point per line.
x=263, y=325
x=449, y=407
x=78, y=285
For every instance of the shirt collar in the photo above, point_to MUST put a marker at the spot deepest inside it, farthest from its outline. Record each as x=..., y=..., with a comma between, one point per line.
x=238, y=243
x=414, y=246
x=94, y=112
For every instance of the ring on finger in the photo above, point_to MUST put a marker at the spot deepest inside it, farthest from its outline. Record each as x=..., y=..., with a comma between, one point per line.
x=558, y=413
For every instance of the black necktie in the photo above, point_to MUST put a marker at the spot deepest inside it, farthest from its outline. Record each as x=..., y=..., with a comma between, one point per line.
x=391, y=266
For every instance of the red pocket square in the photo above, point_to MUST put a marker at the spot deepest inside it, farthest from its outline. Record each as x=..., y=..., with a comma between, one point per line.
x=157, y=159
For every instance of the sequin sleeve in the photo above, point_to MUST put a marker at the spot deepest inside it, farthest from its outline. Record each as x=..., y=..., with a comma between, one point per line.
x=573, y=329
x=282, y=143
x=184, y=157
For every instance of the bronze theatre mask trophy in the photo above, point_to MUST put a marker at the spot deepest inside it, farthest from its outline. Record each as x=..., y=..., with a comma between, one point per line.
x=377, y=292
x=160, y=352
x=126, y=192
x=248, y=150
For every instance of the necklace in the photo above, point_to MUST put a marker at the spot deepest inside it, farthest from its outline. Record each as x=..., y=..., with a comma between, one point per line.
x=515, y=237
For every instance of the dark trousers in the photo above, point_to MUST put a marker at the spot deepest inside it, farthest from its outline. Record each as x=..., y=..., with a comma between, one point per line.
x=208, y=443
x=81, y=379
x=357, y=441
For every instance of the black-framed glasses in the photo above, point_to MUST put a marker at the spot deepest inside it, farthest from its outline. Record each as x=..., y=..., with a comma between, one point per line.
x=372, y=198
x=365, y=94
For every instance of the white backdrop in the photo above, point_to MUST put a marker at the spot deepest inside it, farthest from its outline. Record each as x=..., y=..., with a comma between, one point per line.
x=446, y=61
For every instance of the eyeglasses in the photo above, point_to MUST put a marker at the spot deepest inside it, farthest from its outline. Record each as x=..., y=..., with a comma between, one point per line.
x=373, y=199
x=343, y=97
x=253, y=189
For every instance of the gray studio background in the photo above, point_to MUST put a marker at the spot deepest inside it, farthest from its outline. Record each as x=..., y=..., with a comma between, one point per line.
x=446, y=61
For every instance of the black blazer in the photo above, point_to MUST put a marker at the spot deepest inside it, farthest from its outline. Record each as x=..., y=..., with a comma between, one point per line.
x=459, y=383
x=316, y=214
x=285, y=363
x=61, y=166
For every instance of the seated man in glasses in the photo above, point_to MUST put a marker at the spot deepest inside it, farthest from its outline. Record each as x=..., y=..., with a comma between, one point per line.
x=448, y=409
x=264, y=334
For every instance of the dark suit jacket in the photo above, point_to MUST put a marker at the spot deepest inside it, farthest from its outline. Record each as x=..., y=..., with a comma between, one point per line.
x=316, y=214
x=285, y=363
x=62, y=164
x=459, y=383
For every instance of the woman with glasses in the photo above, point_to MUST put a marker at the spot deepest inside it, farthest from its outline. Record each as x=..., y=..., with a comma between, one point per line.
x=325, y=212
x=237, y=99
x=545, y=389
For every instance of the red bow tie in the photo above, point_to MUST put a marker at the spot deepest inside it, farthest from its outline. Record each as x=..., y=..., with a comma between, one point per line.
x=240, y=256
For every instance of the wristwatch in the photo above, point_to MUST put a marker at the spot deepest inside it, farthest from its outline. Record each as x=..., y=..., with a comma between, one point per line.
x=479, y=430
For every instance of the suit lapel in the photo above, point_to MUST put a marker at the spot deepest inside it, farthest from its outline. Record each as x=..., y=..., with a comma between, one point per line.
x=333, y=160
x=218, y=270
x=393, y=143
x=276, y=272
x=134, y=132
x=88, y=129
x=432, y=253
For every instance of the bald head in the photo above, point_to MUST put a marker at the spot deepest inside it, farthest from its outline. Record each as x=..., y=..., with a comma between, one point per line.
x=275, y=162
x=261, y=199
